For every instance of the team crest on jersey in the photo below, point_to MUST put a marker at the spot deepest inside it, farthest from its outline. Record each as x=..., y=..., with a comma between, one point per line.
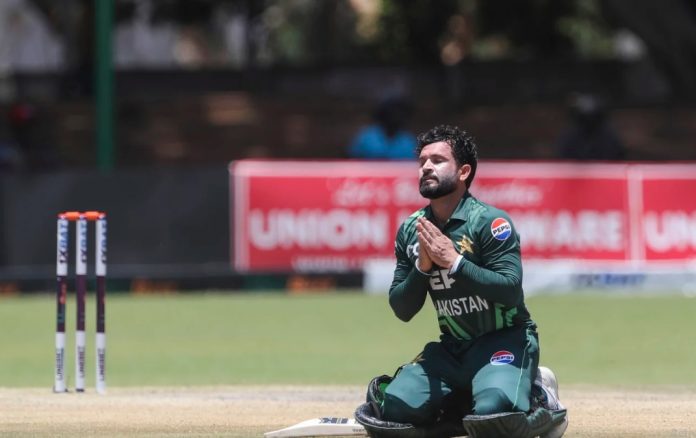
x=466, y=245
x=501, y=228
x=502, y=357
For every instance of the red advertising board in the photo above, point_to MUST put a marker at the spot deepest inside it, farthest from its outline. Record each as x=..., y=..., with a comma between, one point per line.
x=562, y=211
x=334, y=215
x=666, y=211
x=318, y=216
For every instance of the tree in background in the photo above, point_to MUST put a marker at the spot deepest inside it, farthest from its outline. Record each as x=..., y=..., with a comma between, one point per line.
x=398, y=32
x=668, y=29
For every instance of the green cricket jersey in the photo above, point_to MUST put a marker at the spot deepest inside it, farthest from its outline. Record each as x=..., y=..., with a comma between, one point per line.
x=484, y=292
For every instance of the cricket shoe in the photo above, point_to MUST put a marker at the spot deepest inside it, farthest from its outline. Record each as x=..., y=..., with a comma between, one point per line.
x=546, y=380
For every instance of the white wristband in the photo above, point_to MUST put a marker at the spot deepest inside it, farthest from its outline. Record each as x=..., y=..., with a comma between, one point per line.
x=418, y=269
x=456, y=263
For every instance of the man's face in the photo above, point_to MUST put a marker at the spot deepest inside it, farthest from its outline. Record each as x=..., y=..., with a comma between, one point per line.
x=438, y=170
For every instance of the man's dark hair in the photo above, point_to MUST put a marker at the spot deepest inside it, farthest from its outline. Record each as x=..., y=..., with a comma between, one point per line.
x=462, y=144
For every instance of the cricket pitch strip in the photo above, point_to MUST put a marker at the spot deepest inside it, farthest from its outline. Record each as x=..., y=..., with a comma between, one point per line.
x=249, y=411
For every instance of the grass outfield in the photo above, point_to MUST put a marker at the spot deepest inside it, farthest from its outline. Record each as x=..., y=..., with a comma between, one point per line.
x=335, y=338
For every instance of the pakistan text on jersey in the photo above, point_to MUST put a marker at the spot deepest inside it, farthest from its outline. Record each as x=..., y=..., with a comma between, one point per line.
x=459, y=306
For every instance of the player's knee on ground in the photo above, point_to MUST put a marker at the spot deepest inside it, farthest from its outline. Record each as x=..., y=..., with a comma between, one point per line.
x=492, y=401
x=396, y=409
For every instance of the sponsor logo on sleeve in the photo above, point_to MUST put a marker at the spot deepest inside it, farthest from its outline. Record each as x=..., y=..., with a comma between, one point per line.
x=502, y=357
x=501, y=228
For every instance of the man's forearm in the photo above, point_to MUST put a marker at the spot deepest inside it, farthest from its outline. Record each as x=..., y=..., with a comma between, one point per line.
x=407, y=298
x=505, y=289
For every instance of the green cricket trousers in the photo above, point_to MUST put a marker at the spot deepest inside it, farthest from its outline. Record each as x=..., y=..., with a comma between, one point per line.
x=493, y=372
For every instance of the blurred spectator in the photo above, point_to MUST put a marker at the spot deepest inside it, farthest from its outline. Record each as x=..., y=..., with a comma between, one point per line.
x=30, y=129
x=386, y=137
x=589, y=136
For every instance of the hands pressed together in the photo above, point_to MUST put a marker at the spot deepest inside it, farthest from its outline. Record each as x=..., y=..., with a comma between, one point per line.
x=435, y=247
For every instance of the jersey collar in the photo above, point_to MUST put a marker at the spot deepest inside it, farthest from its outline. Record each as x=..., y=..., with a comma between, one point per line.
x=459, y=212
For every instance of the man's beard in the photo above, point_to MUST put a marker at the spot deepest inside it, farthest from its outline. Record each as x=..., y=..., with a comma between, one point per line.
x=444, y=187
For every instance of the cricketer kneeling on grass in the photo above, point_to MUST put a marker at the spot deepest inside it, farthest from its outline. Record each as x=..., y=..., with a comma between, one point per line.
x=479, y=379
